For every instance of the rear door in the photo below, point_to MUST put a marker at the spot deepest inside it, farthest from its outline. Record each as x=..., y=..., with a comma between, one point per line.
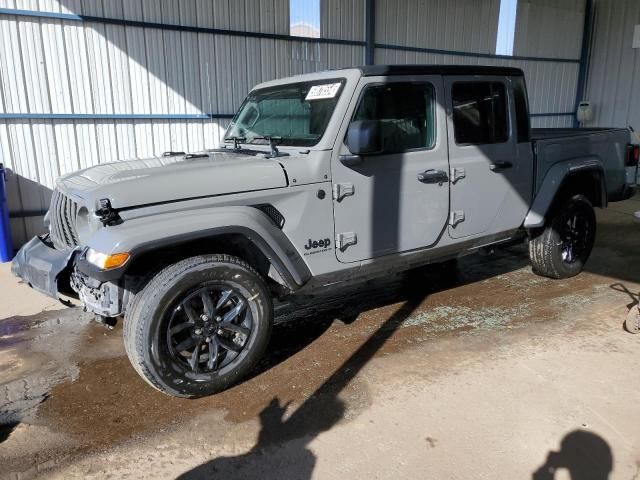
x=387, y=204
x=490, y=174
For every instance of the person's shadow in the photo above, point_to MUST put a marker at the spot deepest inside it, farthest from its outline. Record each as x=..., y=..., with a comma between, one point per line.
x=6, y=429
x=281, y=451
x=585, y=455
x=274, y=456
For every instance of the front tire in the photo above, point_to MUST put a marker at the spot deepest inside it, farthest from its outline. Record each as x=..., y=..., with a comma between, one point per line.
x=199, y=326
x=563, y=247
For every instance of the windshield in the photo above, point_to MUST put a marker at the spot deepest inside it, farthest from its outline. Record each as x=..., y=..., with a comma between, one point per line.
x=297, y=113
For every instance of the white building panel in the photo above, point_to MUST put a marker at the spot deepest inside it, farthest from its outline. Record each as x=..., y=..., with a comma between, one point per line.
x=65, y=134
x=35, y=77
x=549, y=28
x=55, y=59
x=78, y=67
x=343, y=19
x=13, y=86
x=614, y=70
x=464, y=25
x=46, y=150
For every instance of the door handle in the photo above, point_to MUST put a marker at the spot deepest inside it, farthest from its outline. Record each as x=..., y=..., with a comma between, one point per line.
x=500, y=166
x=433, y=176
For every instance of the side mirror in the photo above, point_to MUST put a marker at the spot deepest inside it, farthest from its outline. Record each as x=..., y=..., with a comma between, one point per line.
x=363, y=137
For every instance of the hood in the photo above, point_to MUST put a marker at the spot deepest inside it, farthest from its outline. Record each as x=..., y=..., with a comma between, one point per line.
x=162, y=179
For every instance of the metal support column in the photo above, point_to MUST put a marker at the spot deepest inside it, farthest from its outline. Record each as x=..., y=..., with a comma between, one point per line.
x=584, y=56
x=370, y=29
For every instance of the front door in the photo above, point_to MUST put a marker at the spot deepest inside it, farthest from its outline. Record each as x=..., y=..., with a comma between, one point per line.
x=398, y=200
x=490, y=174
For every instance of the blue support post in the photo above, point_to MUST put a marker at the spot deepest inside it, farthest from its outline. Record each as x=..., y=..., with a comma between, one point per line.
x=6, y=246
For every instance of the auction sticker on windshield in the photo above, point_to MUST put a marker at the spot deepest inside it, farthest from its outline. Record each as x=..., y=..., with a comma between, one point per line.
x=319, y=92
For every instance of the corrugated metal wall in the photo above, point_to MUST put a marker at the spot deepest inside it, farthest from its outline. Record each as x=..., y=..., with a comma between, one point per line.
x=81, y=65
x=57, y=66
x=464, y=25
x=549, y=28
x=470, y=26
x=614, y=69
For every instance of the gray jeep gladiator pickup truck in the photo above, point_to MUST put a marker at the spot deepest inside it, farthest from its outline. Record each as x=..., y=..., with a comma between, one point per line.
x=324, y=178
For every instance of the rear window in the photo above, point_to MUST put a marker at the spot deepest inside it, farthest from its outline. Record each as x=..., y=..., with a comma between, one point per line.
x=480, y=113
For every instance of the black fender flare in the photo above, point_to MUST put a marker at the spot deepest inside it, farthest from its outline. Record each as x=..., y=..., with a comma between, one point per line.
x=140, y=236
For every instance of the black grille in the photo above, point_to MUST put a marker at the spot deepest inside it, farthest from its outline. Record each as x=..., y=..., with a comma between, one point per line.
x=273, y=213
x=62, y=221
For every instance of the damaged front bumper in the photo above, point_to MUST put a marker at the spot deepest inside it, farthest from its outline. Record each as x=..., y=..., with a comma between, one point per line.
x=54, y=272
x=44, y=268
x=106, y=299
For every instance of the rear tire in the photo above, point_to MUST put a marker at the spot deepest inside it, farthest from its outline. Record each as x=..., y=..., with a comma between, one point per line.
x=562, y=248
x=199, y=326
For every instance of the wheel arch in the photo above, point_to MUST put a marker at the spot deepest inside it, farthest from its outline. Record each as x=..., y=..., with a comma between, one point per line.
x=562, y=182
x=244, y=232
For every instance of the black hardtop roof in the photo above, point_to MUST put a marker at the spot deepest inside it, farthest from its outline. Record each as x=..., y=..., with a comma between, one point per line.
x=380, y=70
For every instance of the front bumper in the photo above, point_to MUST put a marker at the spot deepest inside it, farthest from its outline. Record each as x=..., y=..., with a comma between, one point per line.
x=52, y=272
x=43, y=267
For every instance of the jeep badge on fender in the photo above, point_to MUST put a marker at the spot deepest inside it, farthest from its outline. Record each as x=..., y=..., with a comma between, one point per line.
x=317, y=244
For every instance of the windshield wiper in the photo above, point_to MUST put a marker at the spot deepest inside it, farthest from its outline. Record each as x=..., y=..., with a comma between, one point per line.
x=236, y=142
x=274, y=141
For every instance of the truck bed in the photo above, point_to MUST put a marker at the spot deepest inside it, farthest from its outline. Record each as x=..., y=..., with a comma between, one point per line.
x=550, y=133
x=558, y=149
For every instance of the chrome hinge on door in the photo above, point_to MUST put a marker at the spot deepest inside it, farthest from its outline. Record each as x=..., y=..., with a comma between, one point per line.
x=343, y=240
x=457, y=174
x=456, y=217
x=341, y=190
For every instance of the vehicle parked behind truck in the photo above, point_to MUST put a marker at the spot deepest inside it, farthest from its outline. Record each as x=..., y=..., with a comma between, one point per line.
x=325, y=178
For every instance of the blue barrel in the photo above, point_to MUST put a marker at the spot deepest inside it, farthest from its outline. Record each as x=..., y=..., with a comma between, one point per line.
x=6, y=246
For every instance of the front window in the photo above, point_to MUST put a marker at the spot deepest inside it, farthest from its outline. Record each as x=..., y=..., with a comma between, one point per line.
x=405, y=113
x=296, y=114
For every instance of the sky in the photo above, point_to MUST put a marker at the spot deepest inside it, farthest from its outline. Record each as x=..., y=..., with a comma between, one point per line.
x=506, y=27
x=305, y=11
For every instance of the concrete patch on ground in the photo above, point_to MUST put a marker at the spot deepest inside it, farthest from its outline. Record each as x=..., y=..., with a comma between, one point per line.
x=449, y=318
x=35, y=355
x=444, y=318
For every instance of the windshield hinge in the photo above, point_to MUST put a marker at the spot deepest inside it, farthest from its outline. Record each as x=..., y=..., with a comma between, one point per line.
x=273, y=146
x=107, y=214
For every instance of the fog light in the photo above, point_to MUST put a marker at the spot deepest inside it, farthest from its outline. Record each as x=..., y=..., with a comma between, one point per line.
x=104, y=261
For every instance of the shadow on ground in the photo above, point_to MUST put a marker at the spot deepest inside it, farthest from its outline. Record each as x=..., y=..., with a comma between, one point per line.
x=281, y=450
x=585, y=455
x=282, y=447
x=6, y=429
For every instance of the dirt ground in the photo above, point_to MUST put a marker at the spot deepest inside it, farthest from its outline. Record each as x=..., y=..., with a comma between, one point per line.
x=490, y=373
